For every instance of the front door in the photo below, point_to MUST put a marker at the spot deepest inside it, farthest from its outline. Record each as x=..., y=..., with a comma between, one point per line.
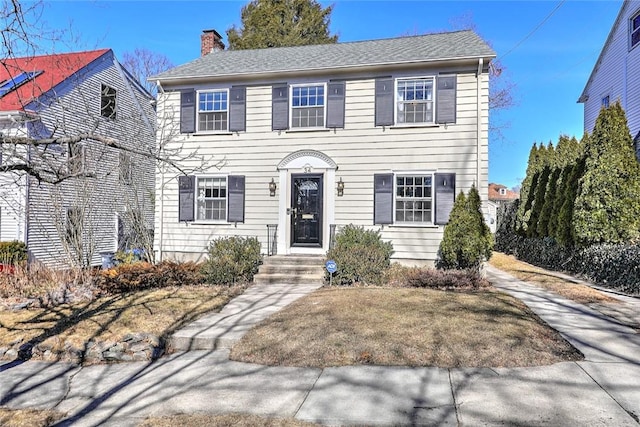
x=306, y=210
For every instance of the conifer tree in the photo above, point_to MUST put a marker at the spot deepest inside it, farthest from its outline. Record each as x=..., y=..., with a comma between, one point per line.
x=527, y=191
x=545, y=163
x=607, y=206
x=277, y=23
x=467, y=240
x=567, y=153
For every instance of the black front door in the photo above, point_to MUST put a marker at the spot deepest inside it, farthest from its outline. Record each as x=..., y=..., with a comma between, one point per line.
x=306, y=210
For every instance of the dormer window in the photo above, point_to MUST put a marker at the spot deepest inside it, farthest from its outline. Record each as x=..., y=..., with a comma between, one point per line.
x=503, y=191
x=108, y=102
x=13, y=82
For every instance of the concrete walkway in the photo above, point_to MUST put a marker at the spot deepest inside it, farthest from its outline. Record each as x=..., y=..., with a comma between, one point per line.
x=603, y=390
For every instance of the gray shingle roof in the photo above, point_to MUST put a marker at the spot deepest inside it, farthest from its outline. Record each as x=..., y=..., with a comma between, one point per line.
x=426, y=48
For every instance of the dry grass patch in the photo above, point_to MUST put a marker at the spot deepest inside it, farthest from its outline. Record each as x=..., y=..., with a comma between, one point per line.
x=110, y=318
x=574, y=291
x=28, y=417
x=412, y=327
x=227, y=420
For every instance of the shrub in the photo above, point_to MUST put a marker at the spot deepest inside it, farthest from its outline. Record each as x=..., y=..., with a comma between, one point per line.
x=361, y=256
x=446, y=279
x=467, y=240
x=232, y=259
x=13, y=252
x=142, y=275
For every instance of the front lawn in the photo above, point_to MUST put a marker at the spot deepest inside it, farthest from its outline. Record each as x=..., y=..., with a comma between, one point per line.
x=410, y=327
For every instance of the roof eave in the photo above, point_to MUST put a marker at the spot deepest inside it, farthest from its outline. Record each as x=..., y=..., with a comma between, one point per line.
x=341, y=69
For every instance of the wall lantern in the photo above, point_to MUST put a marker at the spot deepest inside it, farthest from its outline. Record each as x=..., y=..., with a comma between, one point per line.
x=272, y=188
x=340, y=188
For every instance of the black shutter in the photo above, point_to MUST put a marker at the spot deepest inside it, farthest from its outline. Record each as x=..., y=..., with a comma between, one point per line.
x=235, y=198
x=188, y=111
x=237, y=109
x=384, y=101
x=335, y=105
x=445, y=194
x=446, y=99
x=280, y=107
x=186, y=195
x=383, y=198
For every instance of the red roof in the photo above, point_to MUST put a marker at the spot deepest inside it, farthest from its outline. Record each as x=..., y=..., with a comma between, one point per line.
x=494, y=193
x=53, y=70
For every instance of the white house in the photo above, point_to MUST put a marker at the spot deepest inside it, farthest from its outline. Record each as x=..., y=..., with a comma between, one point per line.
x=379, y=133
x=101, y=188
x=615, y=74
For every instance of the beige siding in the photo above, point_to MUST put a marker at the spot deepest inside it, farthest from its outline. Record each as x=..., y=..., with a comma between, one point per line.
x=12, y=191
x=359, y=150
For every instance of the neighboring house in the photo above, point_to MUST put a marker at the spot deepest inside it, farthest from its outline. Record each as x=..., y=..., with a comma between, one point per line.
x=499, y=195
x=381, y=134
x=62, y=96
x=615, y=74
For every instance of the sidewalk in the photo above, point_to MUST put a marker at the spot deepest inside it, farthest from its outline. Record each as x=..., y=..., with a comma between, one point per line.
x=602, y=390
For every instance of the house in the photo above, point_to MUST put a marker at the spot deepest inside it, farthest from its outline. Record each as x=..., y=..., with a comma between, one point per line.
x=381, y=134
x=499, y=195
x=615, y=74
x=70, y=197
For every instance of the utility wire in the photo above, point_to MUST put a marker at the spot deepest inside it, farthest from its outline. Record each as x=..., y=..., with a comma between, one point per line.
x=534, y=30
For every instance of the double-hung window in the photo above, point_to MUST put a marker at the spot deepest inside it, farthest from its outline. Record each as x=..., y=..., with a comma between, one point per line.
x=414, y=198
x=634, y=28
x=213, y=110
x=307, y=106
x=211, y=203
x=415, y=100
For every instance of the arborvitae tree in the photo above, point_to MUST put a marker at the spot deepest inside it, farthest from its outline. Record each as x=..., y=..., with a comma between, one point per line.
x=527, y=191
x=564, y=231
x=467, y=240
x=276, y=23
x=567, y=153
x=546, y=159
x=607, y=206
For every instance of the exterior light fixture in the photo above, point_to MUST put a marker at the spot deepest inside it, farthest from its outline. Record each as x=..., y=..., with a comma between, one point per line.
x=272, y=188
x=340, y=188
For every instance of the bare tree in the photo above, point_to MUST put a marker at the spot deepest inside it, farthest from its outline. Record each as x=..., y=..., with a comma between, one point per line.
x=143, y=63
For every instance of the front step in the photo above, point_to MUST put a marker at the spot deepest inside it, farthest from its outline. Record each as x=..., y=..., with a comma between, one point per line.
x=291, y=269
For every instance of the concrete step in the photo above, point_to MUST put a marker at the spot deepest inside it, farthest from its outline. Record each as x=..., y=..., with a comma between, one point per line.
x=288, y=278
x=291, y=269
x=293, y=260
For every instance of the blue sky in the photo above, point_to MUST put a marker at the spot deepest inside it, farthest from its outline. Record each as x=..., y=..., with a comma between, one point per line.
x=549, y=67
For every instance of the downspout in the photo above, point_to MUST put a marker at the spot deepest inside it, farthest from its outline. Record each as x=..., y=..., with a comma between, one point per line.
x=479, y=124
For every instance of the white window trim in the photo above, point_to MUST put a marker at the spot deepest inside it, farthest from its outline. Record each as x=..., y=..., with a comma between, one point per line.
x=198, y=220
x=210, y=132
x=395, y=192
x=395, y=102
x=324, y=106
x=634, y=16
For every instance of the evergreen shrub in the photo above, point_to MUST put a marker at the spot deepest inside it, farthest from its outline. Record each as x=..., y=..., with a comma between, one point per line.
x=232, y=259
x=13, y=252
x=361, y=256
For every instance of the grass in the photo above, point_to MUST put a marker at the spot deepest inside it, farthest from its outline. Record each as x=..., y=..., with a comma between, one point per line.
x=110, y=318
x=28, y=417
x=409, y=327
x=226, y=420
x=577, y=292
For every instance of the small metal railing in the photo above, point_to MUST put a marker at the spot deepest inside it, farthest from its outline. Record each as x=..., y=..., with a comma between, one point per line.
x=272, y=239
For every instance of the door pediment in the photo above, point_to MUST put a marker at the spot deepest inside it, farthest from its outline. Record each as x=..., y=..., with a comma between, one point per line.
x=307, y=158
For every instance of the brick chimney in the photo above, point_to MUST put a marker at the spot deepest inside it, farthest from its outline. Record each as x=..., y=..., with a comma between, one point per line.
x=210, y=40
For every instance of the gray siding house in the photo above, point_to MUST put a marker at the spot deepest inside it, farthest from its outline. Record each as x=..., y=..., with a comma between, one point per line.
x=615, y=74
x=60, y=96
x=304, y=140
